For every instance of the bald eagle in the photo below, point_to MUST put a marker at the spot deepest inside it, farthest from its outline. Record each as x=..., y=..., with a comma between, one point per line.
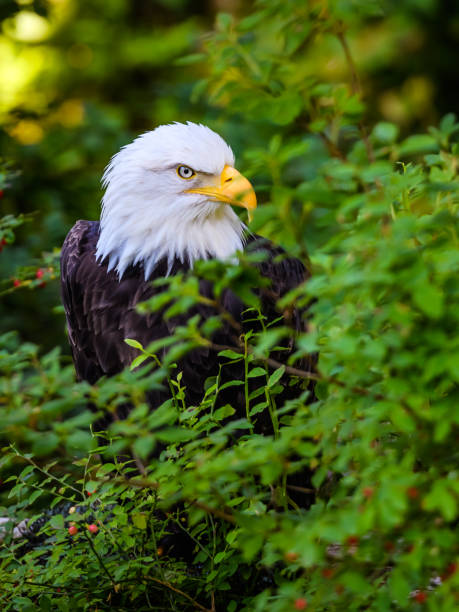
x=167, y=203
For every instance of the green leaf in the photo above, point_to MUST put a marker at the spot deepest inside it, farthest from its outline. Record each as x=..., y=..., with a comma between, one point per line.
x=224, y=21
x=282, y=109
x=224, y=412
x=134, y=343
x=220, y=556
x=57, y=521
x=192, y=58
x=26, y=471
x=399, y=586
x=385, y=133
x=276, y=376
x=230, y=354
x=429, y=299
x=175, y=434
x=258, y=408
x=418, y=143
x=139, y=520
x=138, y=361
x=256, y=372
x=144, y=445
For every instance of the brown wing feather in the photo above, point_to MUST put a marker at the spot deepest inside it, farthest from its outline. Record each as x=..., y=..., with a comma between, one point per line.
x=100, y=309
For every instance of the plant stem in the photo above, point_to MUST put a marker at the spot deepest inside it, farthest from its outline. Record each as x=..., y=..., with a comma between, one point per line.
x=356, y=88
x=246, y=383
x=176, y=590
x=99, y=558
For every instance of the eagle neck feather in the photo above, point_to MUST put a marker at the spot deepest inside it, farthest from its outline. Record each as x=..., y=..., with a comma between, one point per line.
x=131, y=239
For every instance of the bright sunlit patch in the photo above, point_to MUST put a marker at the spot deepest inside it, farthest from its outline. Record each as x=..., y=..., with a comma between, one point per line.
x=27, y=26
x=20, y=65
x=27, y=132
x=70, y=113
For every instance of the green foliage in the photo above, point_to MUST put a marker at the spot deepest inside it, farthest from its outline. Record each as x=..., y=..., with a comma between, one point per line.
x=377, y=208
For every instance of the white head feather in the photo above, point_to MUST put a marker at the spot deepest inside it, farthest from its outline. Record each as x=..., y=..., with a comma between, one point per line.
x=146, y=216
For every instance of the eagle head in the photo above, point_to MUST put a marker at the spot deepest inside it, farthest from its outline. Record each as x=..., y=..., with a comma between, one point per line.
x=167, y=195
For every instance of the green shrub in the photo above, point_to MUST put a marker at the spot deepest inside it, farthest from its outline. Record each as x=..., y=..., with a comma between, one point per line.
x=379, y=216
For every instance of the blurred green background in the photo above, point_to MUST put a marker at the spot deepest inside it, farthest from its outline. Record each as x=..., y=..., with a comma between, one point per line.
x=82, y=78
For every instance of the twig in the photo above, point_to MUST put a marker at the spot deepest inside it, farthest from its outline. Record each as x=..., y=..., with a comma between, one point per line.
x=356, y=89
x=269, y=361
x=355, y=81
x=300, y=489
x=219, y=513
x=313, y=376
x=223, y=311
x=176, y=590
x=45, y=472
x=139, y=464
x=144, y=482
x=332, y=148
x=99, y=558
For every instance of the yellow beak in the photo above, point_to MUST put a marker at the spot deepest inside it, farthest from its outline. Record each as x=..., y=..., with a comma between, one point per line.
x=232, y=188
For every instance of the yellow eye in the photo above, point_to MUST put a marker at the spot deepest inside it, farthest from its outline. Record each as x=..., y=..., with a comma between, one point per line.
x=185, y=172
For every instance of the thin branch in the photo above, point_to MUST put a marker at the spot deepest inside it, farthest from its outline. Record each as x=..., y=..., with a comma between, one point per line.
x=219, y=513
x=272, y=362
x=145, y=483
x=301, y=489
x=170, y=586
x=356, y=89
x=313, y=376
x=223, y=311
x=355, y=81
x=45, y=472
x=139, y=464
x=99, y=558
x=332, y=148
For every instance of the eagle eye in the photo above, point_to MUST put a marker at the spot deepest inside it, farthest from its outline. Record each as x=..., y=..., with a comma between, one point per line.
x=185, y=172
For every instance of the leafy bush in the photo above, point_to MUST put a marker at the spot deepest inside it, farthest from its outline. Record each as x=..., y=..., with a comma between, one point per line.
x=208, y=523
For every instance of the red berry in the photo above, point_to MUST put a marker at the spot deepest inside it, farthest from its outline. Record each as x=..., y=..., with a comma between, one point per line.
x=3, y=242
x=291, y=556
x=450, y=570
x=39, y=273
x=300, y=603
x=93, y=528
x=352, y=541
x=389, y=546
x=328, y=573
x=368, y=492
x=73, y=529
x=89, y=493
x=16, y=282
x=412, y=492
x=420, y=597
x=43, y=284
x=1, y=193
